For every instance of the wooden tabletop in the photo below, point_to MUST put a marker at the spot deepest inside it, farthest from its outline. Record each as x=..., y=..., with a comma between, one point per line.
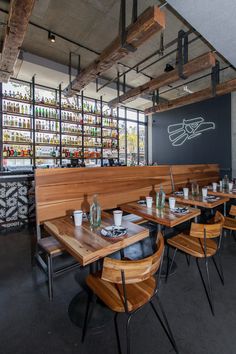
x=88, y=246
x=166, y=217
x=198, y=201
x=221, y=193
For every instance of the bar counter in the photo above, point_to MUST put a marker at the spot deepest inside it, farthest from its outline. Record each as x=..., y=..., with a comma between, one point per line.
x=17, y=205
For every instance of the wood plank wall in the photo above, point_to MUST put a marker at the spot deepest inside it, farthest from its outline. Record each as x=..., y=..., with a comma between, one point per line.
x=203, y=174
x=59, y=191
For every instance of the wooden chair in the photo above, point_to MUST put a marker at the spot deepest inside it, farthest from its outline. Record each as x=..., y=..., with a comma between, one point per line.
x=47, y=249
x=126, y=286
x=230, y=222
x=200, y=243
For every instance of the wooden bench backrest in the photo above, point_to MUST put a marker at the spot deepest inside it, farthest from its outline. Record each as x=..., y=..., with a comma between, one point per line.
x=59, y=191
x=202, y=174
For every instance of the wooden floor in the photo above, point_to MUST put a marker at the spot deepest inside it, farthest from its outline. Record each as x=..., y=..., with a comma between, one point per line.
x=29, y=324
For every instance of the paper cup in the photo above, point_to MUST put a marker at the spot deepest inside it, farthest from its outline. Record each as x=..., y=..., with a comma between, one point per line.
x=204, y=192
x=117, y=214
x=230, y=186
x=214, y=186
x=149, y=201
x=172, y=203
x=185, y=190
x=78, y=216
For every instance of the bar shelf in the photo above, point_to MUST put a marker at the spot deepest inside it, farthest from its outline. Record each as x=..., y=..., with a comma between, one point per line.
x=10, y=127
x=22, y=115
x=46, y=105
x=9, y=142
x=18, y=100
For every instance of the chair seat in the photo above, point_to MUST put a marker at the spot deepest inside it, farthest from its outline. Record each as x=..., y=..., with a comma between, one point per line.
x=134, y=219
x=51, y=246
x=193, y=245
x=230, y=223
x=112, y=294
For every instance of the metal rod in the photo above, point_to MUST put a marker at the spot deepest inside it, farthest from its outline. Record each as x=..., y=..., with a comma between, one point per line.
x=191, y=81
x=135, y=11
x=166, y=55
x=136, y=66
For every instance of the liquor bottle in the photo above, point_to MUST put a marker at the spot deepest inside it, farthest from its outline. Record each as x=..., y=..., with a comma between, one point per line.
x=225, y=182
x=5, y=152
x=160, y=199
x=95, y=214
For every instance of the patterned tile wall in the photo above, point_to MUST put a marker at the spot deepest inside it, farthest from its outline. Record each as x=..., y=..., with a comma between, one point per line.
x=16, y=203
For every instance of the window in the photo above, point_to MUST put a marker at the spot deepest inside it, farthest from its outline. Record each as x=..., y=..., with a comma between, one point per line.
x=122, y=142
x=132, y=143
x=142, y=144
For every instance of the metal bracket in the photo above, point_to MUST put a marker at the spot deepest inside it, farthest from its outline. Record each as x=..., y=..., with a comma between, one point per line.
x=155, y=97
x=122, y=25
x=70, y=66
x=182, y=52
x=215, y=77
x=162, y=47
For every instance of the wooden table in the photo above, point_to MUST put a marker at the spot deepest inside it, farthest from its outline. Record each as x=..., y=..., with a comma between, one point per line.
x=198, y=201
x=88, y=246
x=166, y=217
x=221, y=193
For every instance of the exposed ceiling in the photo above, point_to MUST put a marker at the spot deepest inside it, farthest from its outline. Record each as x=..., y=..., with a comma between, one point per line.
x=94, y=24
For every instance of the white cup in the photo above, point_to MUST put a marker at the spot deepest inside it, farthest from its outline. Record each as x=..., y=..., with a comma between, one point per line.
x=214, y=186
x=78, y=216
x=221, y=184
x=172, y=203
x=204, y=192
x=117, y=214
x=149, y=201
x=230, y=186
x=185, y=190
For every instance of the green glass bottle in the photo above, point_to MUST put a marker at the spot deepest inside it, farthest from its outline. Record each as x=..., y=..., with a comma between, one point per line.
x=95, y=214
x=160, y=199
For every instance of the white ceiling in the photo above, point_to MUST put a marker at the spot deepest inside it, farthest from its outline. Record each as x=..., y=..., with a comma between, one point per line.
x=214, y=20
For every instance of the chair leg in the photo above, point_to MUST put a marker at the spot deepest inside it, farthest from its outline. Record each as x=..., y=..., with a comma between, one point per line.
x=171, y=264
x=220, y=269
x=50, y=276
x=164, y=323
x=207, y=287
x=117, y=333
x=128, y=333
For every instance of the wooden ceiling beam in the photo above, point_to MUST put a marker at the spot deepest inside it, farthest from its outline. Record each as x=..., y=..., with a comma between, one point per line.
x=221, y=89
x=194, y=66
x=19, y=15
x=151, y=21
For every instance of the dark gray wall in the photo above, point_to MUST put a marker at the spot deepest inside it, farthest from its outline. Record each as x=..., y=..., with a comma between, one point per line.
x=211, y=146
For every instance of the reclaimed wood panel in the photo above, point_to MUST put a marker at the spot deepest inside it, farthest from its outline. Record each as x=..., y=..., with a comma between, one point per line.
x=59, y=191
x=203, y=174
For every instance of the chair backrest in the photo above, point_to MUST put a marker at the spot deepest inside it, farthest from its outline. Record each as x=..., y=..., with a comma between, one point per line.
x=233, y=210
x=134, y=271
x=208, y=230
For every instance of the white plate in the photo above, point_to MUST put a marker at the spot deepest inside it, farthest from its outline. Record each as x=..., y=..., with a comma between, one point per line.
x=180, y=211
x=114, y=231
